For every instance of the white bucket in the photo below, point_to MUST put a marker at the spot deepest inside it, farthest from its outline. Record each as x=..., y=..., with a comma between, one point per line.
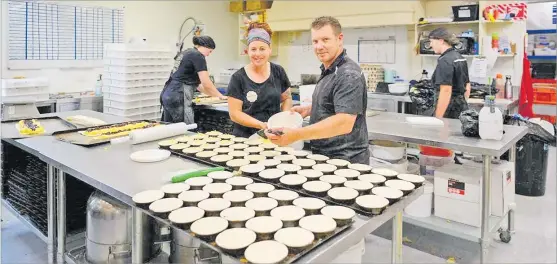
x=422, y=206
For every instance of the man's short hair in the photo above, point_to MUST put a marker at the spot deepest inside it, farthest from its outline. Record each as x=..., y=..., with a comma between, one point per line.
x=320, y=22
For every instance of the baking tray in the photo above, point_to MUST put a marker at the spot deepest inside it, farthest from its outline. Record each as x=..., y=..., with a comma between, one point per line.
x=277, y=185
x=73, y=137
x=51, y=124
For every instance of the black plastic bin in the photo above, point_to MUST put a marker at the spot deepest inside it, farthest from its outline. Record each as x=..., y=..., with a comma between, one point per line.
x=531, y=166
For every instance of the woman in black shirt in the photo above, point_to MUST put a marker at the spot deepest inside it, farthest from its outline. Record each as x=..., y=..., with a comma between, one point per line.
x=191, y=74
x=260, y=89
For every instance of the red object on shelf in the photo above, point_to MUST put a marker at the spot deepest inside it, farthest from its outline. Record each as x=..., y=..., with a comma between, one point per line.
x=547, y=96
x=526, y=98
x=549, y=118
x=433, y=151
x=549, y=81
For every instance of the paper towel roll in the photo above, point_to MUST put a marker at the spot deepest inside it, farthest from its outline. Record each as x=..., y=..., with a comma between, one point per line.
x=159, y=132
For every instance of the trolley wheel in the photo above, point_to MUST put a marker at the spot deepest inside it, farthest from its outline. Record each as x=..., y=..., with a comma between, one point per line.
x=505, y=236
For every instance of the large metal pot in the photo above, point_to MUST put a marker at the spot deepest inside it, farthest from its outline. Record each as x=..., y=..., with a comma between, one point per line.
x=109, y=231
x=188, y=250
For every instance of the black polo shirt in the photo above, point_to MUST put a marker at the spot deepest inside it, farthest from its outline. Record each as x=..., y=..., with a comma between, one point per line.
x=342, y=89
x=192, y=62
x=452, y=69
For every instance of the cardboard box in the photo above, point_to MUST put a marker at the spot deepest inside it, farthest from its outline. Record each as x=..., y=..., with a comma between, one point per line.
x=458, y=194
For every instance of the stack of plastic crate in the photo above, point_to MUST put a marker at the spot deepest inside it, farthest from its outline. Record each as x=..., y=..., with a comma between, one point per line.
x=18, y=90
x=134, y=76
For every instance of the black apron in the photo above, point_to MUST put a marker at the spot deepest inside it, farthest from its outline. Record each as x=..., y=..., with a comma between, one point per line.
x=176, y=101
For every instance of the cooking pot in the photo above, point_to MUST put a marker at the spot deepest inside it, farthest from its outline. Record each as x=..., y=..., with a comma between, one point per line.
x=387, y=150
x=189, y=250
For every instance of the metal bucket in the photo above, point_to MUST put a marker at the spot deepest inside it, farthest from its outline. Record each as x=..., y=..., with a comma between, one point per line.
x=188, y=250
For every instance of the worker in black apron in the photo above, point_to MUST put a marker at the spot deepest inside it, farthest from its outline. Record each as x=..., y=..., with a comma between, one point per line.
x=191, y=74
x=450, y=78
x=260, y=89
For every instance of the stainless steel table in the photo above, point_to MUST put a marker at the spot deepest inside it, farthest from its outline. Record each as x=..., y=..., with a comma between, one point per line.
x=393, y=126
x=127, y=178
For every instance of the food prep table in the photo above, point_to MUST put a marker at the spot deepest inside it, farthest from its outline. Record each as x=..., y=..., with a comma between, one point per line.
x=128, y=178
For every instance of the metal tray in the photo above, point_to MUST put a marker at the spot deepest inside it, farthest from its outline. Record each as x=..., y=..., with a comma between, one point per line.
x=51, y=124
x=278, y=185
x=73, y=137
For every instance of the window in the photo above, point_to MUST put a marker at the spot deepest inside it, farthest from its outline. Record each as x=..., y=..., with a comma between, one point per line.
x=49, y=32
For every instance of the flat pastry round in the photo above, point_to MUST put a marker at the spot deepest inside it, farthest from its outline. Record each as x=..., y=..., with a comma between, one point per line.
x=238, y=154
x=293, y=179
x=179, y=146
x=196, y=142
x=212, y=140
x=262, y=204
x=317, y=186
x=252, y=168
x=239, y=139
x=285, y=158
x=186, y=215
x=208, y=146
x=199, y=136
x=266, y=252
x=234, y=214
x=359, y=185
x=148, y=196
x=167, y=143
x=225, y=143
x=295, y=237
x=413, y=178
x=342, y=193
x=221, y=158
x=359, y=167
x=226, y=136
x=283, y=195
x=254, y=142
x=271, y=174
x=175, y=188
x=253, y=150
x=235, y=238
x=299, y=153
x=222, y=150
x=255, y=157
x=268, y=146
x=318, y=157
x=288, y=213
x=304, y=162
x=385, y=172
x=213, y=133
x=333, y=179
x=318, y=223
x=237, y=162
x=400, y=185
x=387, y=192
x=198, y=181
x=264, y=224
x=325, y=168
x=269, y=153
x=259, y=187
x=309, y=203
x=238, y=146
x=269, y=162
x=239, y=181
x=166, y=205
x=206, y=154
x=338, y=162
x=347, y=173
x=208, y=226
x=310, y=173
x=372, y=178
x=217, y=188
x=183, y=139
x=214, y=204
x=193, y=196
x=372, y=201
x=220, y=175
x=237, y=196
x=284, y=149
x=338, y=212
x=192, y=150
x=289, y=168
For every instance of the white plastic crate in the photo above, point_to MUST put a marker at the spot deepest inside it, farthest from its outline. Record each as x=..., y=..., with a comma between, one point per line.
x=131, y=97
x=31, y=98
x=147, y=116
x=134, y=83
x=138, y=62
x=25, y=91
x=131, y=104
x=22, y=83
x=137, y=75
x=130, y=111
x=133, y=90
x=137, y=69
x=146, y=54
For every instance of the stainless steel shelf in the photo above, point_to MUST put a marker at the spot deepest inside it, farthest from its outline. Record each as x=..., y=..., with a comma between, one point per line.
x=24, y=219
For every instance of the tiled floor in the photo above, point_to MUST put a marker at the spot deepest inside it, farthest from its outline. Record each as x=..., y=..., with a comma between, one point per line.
x=534, y=241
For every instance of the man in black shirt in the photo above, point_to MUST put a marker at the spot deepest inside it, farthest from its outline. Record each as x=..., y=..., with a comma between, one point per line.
x=338, y=112
x=450, y=78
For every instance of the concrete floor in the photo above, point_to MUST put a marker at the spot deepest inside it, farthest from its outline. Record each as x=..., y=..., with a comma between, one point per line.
x=534, y=241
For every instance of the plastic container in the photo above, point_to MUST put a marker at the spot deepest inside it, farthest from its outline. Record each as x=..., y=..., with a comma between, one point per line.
x=490, y=120
x=433, y=151
x=131, y=104
x=131, y=111
x=545, y=96
x=133, y=91
x=423, y=206
x=500, y=86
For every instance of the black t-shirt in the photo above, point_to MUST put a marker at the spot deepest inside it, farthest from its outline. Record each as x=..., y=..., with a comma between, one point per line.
x=192, y=62
x=452, y=69
x=260, y=100
x=342, y=89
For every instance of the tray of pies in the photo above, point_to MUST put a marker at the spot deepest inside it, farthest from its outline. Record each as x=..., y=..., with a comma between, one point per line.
x=31, y=127
x=98, y=135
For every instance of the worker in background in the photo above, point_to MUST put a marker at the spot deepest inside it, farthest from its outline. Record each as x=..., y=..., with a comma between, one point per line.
x=450, y=78
x=191, y=74
x=260, y=89
x=338, y=112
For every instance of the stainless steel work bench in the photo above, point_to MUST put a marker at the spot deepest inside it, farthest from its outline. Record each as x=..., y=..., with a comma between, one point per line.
x=109, y=169
x=393, y=126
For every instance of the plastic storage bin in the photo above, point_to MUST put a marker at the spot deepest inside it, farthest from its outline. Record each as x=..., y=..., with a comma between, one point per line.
x=423, y=206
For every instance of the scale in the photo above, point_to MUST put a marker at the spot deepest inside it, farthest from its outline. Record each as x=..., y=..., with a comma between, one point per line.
x=19, y=110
